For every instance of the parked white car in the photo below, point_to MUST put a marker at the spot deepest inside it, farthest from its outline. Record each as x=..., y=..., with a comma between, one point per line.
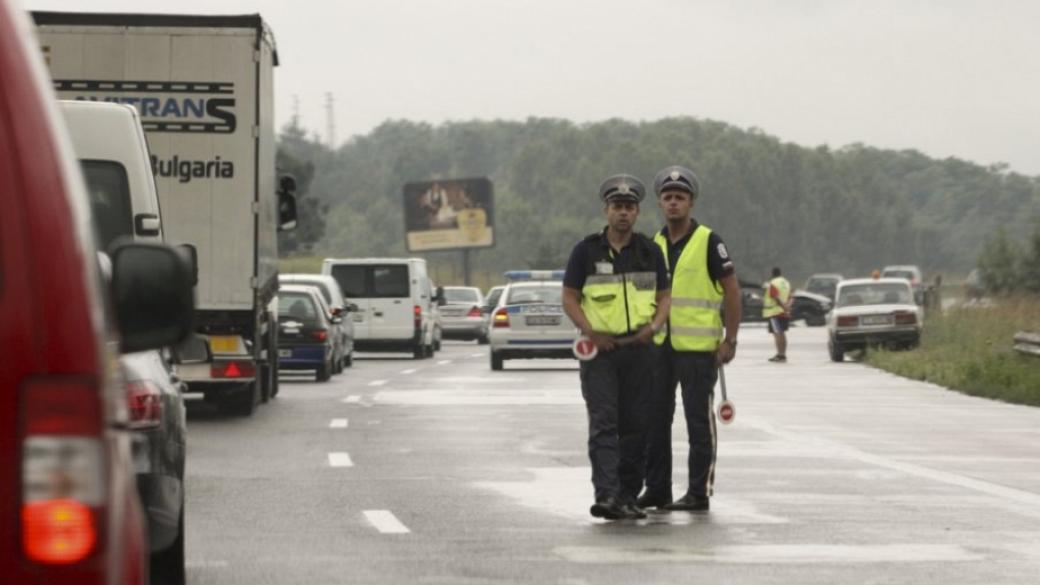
x=870, y=312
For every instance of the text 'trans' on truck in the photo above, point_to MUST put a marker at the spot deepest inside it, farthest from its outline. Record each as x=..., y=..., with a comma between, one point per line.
x=204, y=88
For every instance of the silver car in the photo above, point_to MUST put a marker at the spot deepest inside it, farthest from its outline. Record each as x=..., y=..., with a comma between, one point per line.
x=460, y=315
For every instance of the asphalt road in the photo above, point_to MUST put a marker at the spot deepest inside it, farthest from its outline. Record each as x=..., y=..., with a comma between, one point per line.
x=441, y=471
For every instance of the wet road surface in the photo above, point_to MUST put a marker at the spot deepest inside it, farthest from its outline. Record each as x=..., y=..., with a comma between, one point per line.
x=441, y=471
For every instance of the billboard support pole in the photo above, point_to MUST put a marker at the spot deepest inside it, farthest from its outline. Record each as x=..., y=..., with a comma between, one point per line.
x=465, y=267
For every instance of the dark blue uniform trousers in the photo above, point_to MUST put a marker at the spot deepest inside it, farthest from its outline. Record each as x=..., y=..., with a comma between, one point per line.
x=616, y=386
x=695, y=372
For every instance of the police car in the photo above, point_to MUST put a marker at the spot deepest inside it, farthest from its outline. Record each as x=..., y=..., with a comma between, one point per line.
x=528, y=321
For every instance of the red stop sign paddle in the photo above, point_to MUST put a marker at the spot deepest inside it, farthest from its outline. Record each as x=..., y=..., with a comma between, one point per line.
x=726, y=412
x=584, y=349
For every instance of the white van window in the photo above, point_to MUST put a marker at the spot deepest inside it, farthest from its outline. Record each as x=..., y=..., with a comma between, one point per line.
x=109, y=200
x=390, y=281
x=368, y=281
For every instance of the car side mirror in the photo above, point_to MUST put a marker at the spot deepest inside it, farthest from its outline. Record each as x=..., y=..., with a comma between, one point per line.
x=153, y=297
x=441, y=301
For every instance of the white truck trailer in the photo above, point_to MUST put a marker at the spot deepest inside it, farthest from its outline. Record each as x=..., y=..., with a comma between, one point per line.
x=203, y=86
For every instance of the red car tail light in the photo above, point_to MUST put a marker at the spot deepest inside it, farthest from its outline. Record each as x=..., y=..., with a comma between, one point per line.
x=235, y=369
x=320, y=334
x=848, y=321
x=145, y=404
x=63, y=488
x=417, y=315
x=501, y=318
x=474, y=312
x=906, y=318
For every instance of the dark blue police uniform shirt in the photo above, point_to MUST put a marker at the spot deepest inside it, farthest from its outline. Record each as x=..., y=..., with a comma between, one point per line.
x=578, y=266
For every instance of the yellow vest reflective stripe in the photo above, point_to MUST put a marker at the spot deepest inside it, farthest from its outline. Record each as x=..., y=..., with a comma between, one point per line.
x=619, y=304
x=770, y=308
x=694, y=322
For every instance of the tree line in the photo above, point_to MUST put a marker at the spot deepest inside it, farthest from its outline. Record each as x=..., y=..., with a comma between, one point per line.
x=846, y=210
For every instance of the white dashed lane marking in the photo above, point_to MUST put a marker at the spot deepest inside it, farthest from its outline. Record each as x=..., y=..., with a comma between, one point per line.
x=340, y=459
x=385, y=522
x=352, y=399
x=338, y=423
x=377, y=382
x=409, y=371
x=443, y=362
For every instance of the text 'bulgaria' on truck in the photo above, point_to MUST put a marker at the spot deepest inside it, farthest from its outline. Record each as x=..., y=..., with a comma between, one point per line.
x=203, y=86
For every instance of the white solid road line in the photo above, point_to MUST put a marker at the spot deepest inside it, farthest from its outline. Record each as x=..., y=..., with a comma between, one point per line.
x=341, y=459
x=353, y=398
x=377, y=382
x=481, y=354
x=385, y=522
x=338, y=423
x=408, y=371
x=443, y=362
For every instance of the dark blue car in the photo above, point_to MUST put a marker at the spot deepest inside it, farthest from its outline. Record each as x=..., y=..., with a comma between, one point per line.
x=304, y=339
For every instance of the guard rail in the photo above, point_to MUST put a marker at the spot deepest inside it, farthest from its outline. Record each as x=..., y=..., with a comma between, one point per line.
x=1027, y=343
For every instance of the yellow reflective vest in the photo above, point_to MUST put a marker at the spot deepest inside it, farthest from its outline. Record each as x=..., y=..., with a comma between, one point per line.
x=771, y=308
x=619, y=302
x=695, y=321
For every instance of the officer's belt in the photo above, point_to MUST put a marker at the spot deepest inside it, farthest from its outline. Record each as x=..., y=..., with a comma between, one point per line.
x=699, y=303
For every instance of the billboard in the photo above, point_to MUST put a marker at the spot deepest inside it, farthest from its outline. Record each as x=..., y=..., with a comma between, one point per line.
x=449, y=214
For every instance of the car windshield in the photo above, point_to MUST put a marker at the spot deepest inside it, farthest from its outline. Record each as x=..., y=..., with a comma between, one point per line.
x=880, y=293
x=297, y=306
x=493, y=296
x=551, y=294
x=907, y=274
x=822, y=285
x=461, y=295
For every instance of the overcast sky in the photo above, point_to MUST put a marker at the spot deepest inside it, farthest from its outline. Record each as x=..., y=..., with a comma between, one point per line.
x=950, y=78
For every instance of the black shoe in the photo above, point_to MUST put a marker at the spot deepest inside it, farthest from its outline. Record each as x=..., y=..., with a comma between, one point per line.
x=648, y=500
x=689, y=503
x=608, y=508
x=779, y=358
x=633, y=511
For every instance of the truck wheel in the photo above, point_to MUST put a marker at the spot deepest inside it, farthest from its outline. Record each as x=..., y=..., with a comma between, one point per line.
x=496, y=361
x=836, y=350
x=419, y=352
x=482, y=339
x=348, y=360
x=324, y=372
x=167, y=565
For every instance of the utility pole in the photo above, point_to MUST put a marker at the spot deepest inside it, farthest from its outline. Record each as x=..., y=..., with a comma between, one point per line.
x=330, y=120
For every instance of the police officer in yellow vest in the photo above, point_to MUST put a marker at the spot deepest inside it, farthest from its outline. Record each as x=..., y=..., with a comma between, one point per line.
x=776, y=310
x=693, y=344
x=615, y=290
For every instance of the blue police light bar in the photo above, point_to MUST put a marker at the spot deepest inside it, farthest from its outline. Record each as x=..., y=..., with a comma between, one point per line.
x=515, y=275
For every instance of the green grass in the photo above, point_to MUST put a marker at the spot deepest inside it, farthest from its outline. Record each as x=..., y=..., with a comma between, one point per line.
x=970, y=350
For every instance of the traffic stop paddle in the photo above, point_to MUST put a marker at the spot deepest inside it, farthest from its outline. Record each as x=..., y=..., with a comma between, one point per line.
x=584, y=349
x=726, y=409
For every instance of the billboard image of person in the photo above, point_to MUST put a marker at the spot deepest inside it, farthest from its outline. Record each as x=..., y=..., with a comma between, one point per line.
x=448, y=214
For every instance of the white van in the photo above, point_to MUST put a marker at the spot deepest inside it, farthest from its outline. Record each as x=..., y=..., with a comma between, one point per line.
x=109, y=141
x=396, y=300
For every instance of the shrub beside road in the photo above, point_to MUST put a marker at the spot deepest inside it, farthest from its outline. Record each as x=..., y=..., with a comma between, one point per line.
x=970, y=349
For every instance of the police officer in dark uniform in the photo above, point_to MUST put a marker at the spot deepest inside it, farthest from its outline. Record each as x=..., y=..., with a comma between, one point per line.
x=692, y=346
x=615, y=290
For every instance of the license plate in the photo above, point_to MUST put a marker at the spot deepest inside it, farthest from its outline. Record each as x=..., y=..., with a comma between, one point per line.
x=223, y=343
x=877, y=320
x=284, y=353
x=291, y=330
x=542, y=320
